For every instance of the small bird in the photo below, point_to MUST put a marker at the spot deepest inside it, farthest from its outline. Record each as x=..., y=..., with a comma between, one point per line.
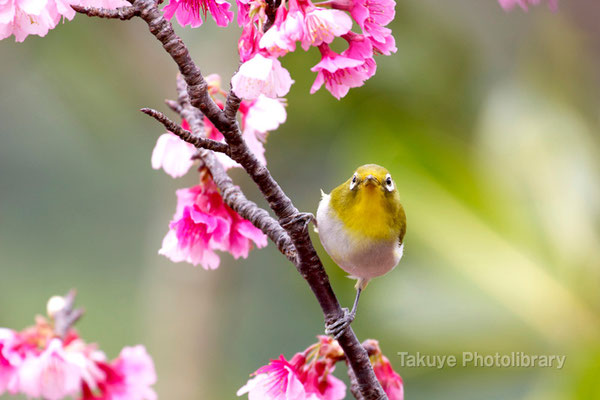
x=361, y=225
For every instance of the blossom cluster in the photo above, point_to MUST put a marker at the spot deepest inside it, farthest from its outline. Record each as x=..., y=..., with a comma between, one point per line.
x=308, y=375
x=39, y=364
x=22, y=18
x=203, y=223
x=304, y=22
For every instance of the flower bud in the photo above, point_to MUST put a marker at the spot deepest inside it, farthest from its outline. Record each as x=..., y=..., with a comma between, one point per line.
x=55, y=305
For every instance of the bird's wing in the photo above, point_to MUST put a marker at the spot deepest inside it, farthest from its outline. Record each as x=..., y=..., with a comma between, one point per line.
x=401, y=217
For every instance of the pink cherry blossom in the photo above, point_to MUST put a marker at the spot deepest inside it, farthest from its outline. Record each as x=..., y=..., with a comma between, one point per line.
x=129, y=377
x=36, y=17
x=282, y=36
x=51, y=375
x=360, y=48
x=203, y=223
x=322, y=26
x=276, y=41
x=188, y=12
x=265, y=114
x=261, y=75
x=510, y=4
x=338, y=73
x=27, y=17
x=173, y=154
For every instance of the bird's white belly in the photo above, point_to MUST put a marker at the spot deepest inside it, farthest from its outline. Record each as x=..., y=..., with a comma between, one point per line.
x=361, y=257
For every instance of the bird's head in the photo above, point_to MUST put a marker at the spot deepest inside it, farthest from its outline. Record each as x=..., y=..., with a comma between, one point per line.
x=371, y=177
x=369, y=191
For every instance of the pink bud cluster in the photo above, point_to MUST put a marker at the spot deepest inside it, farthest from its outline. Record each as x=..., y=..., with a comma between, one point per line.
x=22, y=18
x=389, y=379
x=308, y=375
x=203, y=223
x=37, y=363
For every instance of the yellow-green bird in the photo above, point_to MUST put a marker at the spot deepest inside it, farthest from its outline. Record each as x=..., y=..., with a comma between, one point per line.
x=361, y=225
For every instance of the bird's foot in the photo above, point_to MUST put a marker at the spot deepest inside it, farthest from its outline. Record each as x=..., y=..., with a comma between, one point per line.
x=336, y=327
x=300, y=218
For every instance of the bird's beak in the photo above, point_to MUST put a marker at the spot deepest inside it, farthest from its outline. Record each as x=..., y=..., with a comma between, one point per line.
x=370, y=180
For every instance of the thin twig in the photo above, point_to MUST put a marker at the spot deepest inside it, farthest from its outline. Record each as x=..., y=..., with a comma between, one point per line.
x=67, y=316
x=198, y=141
x=173, y=105
x=122, y=13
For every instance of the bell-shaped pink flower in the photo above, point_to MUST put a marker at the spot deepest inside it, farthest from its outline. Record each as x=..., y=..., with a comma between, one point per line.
x=204, y=223
x=338, y=73
x=51, y=375
x=360, y=48
x=322, y=26
x=387, y=46
x=27, y=17
x=173, y=154
x=188, y=12
x=276, y=381
x=370, y=15
x=261, y=75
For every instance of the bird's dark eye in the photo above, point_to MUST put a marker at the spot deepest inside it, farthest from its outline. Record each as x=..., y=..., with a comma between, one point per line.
x=388, y=181
x=354, y=179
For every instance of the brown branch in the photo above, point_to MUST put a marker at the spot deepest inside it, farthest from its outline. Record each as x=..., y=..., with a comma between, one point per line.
x=122, y=13
x=198, y=141
x=232, y=105
x=293, y=221
x=271, y=12
x=67, y=316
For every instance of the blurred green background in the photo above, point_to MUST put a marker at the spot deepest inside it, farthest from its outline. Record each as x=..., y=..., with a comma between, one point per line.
x=488, y=121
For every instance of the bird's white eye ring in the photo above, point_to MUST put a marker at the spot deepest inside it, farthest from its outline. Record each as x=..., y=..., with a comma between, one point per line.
x=389, y=183
x=354, y=181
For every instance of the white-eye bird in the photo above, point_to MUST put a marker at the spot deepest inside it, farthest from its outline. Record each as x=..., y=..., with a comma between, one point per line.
x=361, y=225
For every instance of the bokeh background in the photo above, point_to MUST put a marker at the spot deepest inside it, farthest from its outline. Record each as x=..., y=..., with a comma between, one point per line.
x=488, y=121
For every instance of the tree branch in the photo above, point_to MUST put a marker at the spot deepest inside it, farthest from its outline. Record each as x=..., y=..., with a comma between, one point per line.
x=293, y=221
